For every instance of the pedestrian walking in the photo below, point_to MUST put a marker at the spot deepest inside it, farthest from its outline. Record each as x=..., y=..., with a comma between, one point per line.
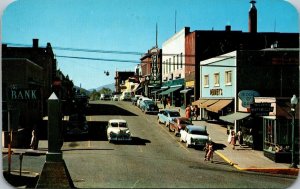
x=34, y=140
x=206, y=151
x=210, y=153
x=188, y=112
x=240, y=137
x=233, y=139
x=164, y=102
x=169, y=102
x=196, y=112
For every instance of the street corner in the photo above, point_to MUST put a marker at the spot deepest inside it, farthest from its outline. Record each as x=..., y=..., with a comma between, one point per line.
x=228, y=160
x=282, y=171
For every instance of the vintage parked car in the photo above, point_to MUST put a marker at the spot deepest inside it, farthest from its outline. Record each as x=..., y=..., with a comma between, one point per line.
x=194, y=135
x=115, y=98
x=126, y=96
x=149, y=106
x=77, y=125
x=117, y=130
x=166, y=116
x=141, y=98
x=135, y=99
x=178, y=124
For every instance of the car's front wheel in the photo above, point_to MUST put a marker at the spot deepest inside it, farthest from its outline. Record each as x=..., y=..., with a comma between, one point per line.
x=158, y=120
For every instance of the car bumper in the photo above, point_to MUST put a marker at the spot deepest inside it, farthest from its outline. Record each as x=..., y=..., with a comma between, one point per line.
x=199, y=143
x=120, y=139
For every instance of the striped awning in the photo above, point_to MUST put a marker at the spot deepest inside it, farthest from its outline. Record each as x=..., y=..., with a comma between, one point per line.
x=208, y=103
x=219, y=105
x=199, y=102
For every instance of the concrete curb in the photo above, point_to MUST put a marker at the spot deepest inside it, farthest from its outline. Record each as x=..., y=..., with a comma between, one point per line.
x=286, y=171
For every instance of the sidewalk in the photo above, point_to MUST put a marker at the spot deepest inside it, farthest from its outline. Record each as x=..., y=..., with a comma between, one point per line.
x=242, y=158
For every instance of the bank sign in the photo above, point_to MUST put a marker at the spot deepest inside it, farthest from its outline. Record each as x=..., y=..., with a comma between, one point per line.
x=23, y=94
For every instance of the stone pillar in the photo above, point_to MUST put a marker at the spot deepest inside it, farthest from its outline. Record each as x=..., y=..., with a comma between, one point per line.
x=55, y=139
x=55, y=173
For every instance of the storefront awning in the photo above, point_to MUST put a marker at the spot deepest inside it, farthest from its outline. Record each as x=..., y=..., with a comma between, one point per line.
x=208, y=103
x=235, y=116
x=170, y=90
x=185, y=90
x=199, y=102
x=158, y=90
x=219, y=105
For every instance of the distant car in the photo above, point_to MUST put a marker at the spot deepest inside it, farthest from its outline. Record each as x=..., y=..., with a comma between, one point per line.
x=140, y=99
x=149, y=106
x=102, y=96
x=135, y=99
x=117, y=130
x=107, y=97
x=126, y=96
x=166, y=116
x=194, y=135
x=178, y=124
x=115, y=98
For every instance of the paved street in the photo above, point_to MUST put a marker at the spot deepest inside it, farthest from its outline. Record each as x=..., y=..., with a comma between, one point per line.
x=155, y=158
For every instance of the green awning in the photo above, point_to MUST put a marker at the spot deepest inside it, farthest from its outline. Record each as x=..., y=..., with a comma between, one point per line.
x=235, y=116
x=170, y=90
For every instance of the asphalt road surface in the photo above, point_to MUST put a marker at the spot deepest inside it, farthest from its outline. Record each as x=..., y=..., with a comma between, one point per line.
x=154, y=159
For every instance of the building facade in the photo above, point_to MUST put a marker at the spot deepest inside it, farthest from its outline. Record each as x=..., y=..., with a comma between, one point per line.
x=231, y=82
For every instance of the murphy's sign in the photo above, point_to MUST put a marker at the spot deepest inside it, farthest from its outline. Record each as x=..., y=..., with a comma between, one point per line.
x=23, y=94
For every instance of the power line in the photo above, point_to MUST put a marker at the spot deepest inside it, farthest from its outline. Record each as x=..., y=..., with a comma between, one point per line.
x=98, y=50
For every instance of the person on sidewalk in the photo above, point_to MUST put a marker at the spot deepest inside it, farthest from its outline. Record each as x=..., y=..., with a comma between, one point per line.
x=169, y=102
x=34, y=140
x=196, y=112
x=233, y=140
x=240, y=137
x=164, y=102
x=188, y=112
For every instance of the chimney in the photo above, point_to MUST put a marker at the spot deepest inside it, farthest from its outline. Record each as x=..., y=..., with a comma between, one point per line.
x=228, y=28
x=253, y=18
x=35, y=43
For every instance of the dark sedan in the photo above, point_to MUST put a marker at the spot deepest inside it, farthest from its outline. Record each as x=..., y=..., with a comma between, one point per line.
x=149, y=106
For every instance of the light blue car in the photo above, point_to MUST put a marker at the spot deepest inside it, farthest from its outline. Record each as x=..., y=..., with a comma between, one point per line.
x=167, y=116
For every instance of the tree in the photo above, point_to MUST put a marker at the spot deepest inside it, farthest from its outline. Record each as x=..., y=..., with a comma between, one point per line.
x=106, y=91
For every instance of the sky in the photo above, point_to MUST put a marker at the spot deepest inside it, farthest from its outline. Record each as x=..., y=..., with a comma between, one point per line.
x=122, y=30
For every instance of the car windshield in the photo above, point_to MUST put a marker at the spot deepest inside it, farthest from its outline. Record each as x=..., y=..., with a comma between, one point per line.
x=174, y=114
x=148, y=102
x=122, y=124
x=114, y=124
x=187, y=122
x=198, y=132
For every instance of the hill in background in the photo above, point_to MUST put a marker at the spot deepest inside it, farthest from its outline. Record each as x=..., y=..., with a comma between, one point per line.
x=109, y=86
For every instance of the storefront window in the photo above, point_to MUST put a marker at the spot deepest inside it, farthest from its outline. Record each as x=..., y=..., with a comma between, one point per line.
x=276, y=135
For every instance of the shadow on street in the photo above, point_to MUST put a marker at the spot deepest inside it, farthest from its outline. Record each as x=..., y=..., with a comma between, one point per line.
x=107, y=109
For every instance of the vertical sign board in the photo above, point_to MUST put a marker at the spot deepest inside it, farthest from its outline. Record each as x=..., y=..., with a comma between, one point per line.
x=155, y=75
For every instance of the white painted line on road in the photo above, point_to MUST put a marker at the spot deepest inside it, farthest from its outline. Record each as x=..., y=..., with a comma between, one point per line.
x=135, y=183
